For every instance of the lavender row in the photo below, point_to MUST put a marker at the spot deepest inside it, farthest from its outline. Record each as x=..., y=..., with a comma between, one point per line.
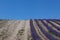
x=53, y=25
x=48, y=35
x=33, y=31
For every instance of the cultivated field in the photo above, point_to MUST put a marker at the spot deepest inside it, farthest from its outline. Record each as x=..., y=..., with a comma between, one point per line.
x=37, y=29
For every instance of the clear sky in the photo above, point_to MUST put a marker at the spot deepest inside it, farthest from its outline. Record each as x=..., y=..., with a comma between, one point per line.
x=29, y=9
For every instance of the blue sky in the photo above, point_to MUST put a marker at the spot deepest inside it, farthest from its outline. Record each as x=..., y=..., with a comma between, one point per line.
x=29, y=9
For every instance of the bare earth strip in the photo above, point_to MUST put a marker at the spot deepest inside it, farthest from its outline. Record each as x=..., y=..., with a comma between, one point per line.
x=25, y=36
x=18, y=27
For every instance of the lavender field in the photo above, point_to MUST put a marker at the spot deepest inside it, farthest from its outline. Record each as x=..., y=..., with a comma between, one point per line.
x=37, y=29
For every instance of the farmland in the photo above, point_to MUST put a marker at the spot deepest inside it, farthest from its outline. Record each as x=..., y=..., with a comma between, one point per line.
x=37, y=29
